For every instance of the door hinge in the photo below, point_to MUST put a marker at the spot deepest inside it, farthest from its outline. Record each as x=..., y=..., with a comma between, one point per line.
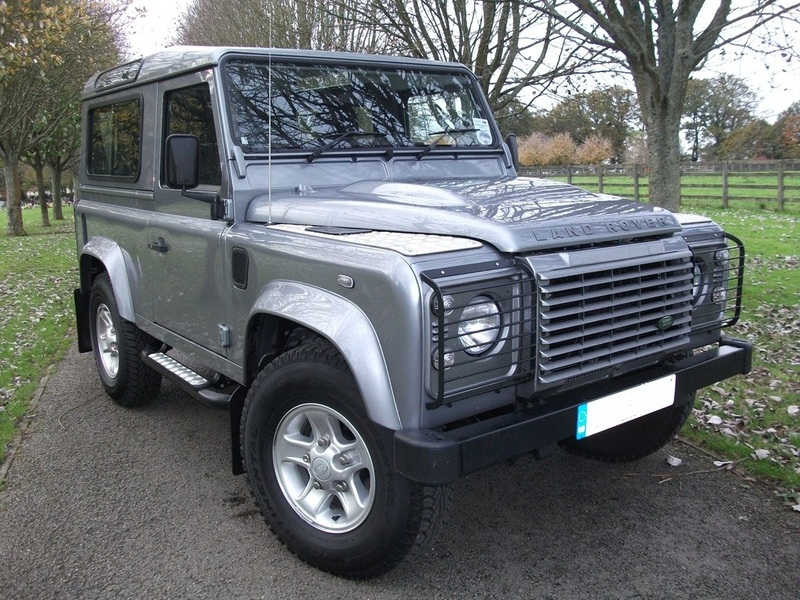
x=227, y=209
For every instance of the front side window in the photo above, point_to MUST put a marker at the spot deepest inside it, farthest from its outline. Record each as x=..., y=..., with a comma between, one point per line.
x=115, y=136
x=301, y=107
x=188, y=111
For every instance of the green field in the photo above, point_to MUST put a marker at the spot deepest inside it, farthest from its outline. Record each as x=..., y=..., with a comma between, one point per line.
x=745, y=190
x=755, y=419
x=751, y=420
x=37, y=276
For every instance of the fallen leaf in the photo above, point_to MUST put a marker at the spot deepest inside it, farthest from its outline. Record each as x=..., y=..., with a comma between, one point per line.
x=761, y=454
x=714, y=420
x=793, y=410
x=674, y=461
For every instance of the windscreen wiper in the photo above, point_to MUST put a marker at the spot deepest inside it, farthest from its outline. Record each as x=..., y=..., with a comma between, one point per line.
x=442, y=135
x=342, y=136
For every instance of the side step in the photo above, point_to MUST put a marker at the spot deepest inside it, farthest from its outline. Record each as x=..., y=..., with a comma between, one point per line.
x=189, y=381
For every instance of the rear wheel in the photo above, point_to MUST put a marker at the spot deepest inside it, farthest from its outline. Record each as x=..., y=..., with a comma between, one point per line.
x=322, y=473
x=118, y=346
x=635, y=439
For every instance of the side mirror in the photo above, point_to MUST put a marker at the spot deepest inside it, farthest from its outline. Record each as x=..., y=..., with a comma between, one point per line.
x=513, y=148
x=182, y=161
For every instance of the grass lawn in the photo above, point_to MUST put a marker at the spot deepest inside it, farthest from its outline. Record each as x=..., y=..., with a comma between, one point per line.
x=752, y=420
x=748, y=190
x=37, y=276
x=755, y=419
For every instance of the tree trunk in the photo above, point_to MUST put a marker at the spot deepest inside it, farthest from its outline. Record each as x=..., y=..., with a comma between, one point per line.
x=664, y=161
x=661, y=106
x=76, y=190
x=42, y=195
x=58, y=211
x=13, y=202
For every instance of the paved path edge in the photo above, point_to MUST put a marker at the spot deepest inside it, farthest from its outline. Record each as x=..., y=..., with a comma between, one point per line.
x=24, y=423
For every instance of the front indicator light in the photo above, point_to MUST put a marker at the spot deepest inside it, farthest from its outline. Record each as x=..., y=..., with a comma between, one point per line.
x=448, y=357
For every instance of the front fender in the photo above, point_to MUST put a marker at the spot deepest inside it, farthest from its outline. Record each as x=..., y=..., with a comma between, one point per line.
x=348, y=329
x=114, y=260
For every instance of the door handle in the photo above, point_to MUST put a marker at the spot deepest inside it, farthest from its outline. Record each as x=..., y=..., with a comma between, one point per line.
x=160, y=245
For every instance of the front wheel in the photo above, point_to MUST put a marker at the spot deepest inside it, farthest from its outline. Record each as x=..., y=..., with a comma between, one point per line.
x=322, y=473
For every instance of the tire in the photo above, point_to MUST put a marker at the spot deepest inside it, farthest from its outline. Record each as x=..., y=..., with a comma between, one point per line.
x=635, y=439
x=118, y=346
x=322, y=473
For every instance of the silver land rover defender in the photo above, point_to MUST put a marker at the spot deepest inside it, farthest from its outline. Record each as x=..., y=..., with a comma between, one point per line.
x=337, y=249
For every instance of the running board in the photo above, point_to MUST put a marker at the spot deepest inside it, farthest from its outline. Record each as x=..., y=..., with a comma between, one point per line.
x=189, y=381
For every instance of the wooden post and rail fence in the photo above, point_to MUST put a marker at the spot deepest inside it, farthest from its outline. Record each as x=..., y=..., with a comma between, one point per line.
x=767, y=182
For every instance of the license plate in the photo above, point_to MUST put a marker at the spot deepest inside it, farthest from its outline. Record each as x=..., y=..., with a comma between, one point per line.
x=616, y=409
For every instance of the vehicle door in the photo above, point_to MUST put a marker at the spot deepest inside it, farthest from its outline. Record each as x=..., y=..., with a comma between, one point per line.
x=186, y=269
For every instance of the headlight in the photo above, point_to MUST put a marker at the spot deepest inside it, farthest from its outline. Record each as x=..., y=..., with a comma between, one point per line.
x=479, y=326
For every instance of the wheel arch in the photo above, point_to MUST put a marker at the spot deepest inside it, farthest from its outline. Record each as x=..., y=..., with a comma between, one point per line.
x=104, y=255
x=284, y=305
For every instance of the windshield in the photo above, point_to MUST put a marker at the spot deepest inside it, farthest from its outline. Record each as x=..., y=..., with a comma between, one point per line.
x=331, y=107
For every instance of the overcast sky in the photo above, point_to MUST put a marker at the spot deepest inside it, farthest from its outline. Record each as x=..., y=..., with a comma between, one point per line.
x=776, y=88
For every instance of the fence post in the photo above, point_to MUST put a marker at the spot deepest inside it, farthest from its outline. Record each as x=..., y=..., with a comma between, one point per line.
x=600, y=179
x=725, y=184
x=781, y=176
x=636, y=182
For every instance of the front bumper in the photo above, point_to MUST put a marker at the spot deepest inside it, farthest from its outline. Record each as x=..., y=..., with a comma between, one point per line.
x=435, y=457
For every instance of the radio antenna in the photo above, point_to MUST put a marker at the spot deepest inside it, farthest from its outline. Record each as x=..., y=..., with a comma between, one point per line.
x=269, y=123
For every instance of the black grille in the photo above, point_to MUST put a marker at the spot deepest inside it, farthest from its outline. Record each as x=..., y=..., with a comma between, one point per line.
x=610, y=313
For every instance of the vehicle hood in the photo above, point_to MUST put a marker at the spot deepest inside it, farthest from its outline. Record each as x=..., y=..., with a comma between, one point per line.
x=513, y=214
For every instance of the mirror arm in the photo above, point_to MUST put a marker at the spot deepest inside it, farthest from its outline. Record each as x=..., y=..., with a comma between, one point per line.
x=212, y=198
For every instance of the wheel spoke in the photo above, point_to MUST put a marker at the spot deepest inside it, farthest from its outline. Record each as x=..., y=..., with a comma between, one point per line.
x=357, y=496
x=323, y=424
x=292, y=447
x=312, y=499
x=105, y=318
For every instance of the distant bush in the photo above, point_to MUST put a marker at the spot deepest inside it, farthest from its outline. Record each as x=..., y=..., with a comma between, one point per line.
x=539, y=149
x=594, y=151
x=533, y=150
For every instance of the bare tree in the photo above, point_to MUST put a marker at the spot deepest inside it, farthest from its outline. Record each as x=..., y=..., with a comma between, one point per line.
x=313, y=24
x=62, y=156
x=661, y=43
x=518, y=54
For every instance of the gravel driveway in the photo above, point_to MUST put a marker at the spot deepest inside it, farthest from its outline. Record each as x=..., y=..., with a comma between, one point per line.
x=104, y=502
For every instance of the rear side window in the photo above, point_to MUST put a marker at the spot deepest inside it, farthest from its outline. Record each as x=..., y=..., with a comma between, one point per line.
x=115, y=138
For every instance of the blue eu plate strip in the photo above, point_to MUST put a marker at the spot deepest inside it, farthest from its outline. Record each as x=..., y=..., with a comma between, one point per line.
x=580, y=430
